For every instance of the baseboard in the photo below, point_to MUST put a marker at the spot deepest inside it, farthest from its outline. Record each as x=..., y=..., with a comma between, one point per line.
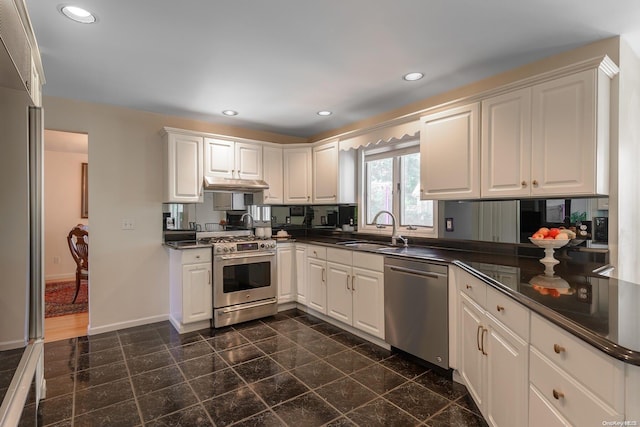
x=59, y=277
x=365, y=336
x=128, y=324
x=11, y=345
x=287, y=306
x=190, y=327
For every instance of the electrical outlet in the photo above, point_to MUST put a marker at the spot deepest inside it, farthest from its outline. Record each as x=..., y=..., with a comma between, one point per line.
x=128, y=224
x=56, y=260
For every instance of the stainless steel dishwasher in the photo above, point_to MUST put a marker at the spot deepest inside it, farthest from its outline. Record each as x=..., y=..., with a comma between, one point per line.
x=416, y=308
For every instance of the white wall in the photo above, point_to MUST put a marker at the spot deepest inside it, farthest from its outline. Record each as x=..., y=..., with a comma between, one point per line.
x=129, y=277
x=624, y=202
x=62, y=175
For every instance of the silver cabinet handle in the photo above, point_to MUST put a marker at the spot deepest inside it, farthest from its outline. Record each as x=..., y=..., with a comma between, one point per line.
x=478, y=337
x=557, y=394
x=323, y=274
x=348, y=282
x=353, y=283
x=209, y=271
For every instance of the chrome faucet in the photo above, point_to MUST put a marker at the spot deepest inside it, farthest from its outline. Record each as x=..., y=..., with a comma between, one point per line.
x=247, y=214
x=394, y=234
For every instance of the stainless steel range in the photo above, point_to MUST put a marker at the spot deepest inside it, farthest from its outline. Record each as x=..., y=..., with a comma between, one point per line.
x=244, y=278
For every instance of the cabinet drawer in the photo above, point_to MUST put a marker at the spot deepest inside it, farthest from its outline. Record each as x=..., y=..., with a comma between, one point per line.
x=598, y=372
x=340, y=256
x=473, y=287
x=509, y=312
x=316, y=252
x=577, y=404
x=192, y=256
x=369, y=261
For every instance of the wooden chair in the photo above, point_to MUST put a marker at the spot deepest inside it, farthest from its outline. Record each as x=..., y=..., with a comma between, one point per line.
x=78, y=240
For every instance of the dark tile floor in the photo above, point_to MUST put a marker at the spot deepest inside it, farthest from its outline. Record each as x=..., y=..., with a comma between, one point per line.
x=289, y=369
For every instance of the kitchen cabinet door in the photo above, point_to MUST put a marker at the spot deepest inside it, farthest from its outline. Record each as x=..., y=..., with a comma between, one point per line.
x=219, y=158
x=183, y=168
x=317, y=285
x=301, y=273
x=506, y=145
x=368, y=301
x=325, y=173
x=248, y=161
x=197, y=296
x=507, y=376
x=339, y=296
x=285, y=254
x=297, y=175
x=471, y=364
x=449, y=157
x=564, y=131
x=272, y=167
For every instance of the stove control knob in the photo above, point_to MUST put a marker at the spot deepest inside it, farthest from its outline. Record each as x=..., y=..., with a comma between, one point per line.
x=262, y=245
x=232, y=249
x=273, y=244
x=226, y=249
x=219, y=249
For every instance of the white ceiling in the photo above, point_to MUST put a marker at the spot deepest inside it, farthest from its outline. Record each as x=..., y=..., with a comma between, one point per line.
x=278, y=62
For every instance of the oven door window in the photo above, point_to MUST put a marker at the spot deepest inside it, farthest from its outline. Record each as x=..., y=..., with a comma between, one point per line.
x=243, y=277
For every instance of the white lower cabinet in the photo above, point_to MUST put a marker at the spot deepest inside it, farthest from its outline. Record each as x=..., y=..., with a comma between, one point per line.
x=191, y=297
x=286, y=263
x=493, y=358
x=317, y=278
x=355, y=290
x=580, y=384
x=301, y=273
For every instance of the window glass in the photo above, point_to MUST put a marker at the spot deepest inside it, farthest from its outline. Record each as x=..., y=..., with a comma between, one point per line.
x=413, y=211
x=392, y=176
x=379, y=188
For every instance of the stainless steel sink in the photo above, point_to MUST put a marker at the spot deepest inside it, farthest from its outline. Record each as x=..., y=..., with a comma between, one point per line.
x=369, y=246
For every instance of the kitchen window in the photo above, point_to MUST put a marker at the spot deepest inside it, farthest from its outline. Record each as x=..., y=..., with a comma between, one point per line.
x=391, y=182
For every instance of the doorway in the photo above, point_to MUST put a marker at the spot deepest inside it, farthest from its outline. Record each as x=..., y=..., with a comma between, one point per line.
x=65, y=208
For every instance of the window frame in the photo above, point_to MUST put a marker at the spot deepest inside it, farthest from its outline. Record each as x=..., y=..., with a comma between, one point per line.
x=395, y=151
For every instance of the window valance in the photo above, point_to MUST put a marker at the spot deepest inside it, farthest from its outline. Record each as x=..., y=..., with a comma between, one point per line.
x=382, y=135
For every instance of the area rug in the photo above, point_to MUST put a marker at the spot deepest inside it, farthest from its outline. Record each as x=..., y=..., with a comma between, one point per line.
x=58, y=297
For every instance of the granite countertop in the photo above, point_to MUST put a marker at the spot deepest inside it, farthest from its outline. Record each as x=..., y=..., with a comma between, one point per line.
x=602, y=311
x=187, y=244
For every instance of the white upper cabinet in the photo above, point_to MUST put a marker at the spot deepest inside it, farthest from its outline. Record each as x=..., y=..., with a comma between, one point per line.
x=272, y=166
x=570, y=135
x=219, y=158
x=325, y=173
x=297, y=175
x=506, y=144
x=449, y=156
x=229, y=159
x=248, y=160
x=334, y=174
x=182, y=168
x=551, y=139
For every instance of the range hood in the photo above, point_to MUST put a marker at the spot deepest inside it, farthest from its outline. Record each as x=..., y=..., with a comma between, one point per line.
x=234, y=185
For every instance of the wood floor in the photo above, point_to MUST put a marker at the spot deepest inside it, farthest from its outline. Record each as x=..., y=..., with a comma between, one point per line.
x=64, y=327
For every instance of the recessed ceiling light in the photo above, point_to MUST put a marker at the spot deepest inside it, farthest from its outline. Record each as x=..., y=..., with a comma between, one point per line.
x=230, y=113
x=78, y=14
x=410, y=77
x=324, y=113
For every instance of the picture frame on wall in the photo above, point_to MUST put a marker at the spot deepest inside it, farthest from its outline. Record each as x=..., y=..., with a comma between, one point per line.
x=84, y=183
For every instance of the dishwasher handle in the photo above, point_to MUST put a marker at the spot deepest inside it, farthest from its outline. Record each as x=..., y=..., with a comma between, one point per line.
x=417, y=272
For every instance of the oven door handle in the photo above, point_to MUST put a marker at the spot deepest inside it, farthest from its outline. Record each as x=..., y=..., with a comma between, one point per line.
x=246, y=306
x=239, y=256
